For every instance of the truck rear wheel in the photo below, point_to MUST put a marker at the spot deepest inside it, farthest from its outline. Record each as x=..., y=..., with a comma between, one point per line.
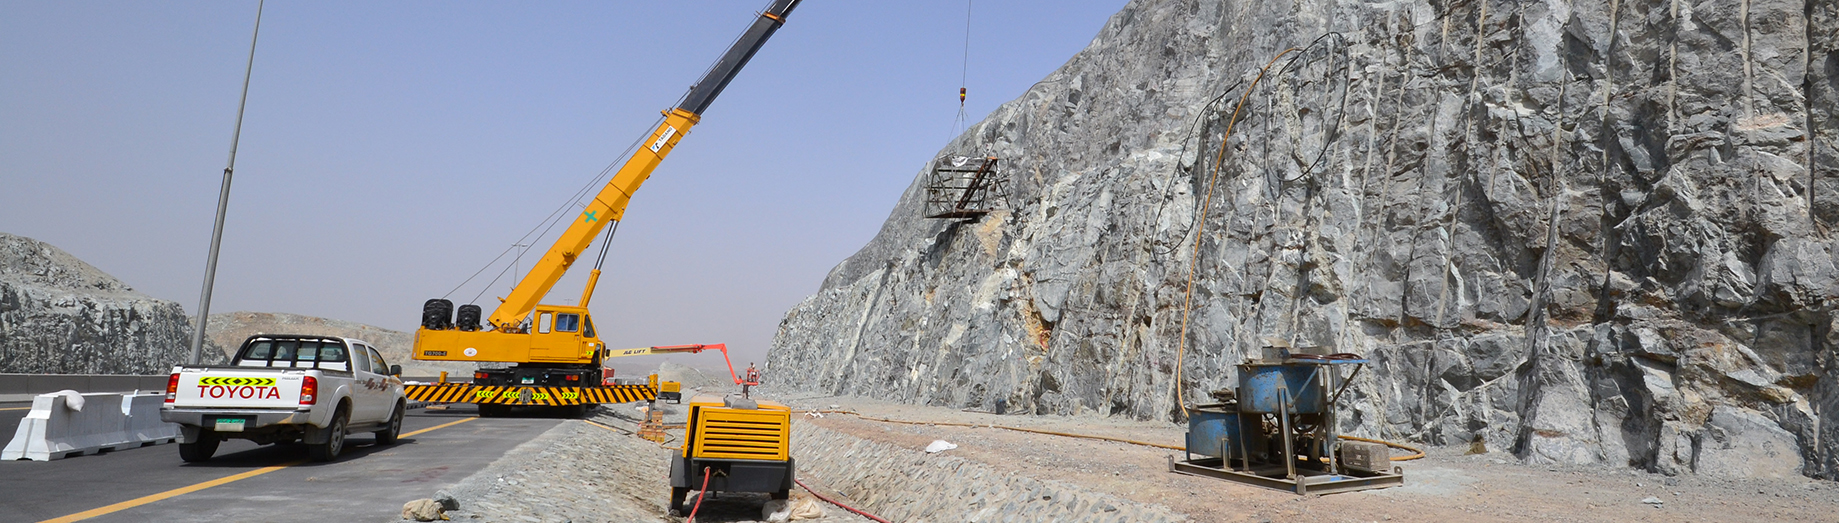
x=201, y=450
x=335, y=439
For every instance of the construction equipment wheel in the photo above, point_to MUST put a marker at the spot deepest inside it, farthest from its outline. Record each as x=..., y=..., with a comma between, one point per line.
x=200, y=451
x=676, y=500
x=335, y=438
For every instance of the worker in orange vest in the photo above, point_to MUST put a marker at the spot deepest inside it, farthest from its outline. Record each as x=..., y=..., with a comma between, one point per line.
x=752, y=378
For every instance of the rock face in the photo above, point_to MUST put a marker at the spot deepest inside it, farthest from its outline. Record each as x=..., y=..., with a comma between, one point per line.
x=231, y=328
x=59, y=315
x=1582, y=232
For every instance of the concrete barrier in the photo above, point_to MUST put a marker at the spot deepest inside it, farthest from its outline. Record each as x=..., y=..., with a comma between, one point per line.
x=143, y=425
x=63, y=424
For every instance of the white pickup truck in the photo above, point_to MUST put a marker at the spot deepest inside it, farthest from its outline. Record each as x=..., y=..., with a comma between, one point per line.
x=287, y=388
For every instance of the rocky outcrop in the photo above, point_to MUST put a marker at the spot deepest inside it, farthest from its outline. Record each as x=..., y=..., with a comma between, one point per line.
x=1581, y=232
x=229, y=329
x=59, y=315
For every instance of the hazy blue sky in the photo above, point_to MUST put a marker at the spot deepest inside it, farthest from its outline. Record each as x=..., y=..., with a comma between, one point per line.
x=391, y=149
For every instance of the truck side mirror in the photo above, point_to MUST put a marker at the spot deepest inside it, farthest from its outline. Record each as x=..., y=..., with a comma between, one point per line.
x=395, y=370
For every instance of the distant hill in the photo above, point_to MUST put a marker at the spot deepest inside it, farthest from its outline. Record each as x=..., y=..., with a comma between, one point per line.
x=231, y=328
x=59, y=315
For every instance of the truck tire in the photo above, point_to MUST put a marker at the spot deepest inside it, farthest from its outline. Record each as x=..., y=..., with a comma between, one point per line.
x=200, y=451
x=393, y=430
x=335, y=438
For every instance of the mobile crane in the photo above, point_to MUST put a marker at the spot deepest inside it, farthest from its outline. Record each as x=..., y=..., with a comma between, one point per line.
x=555, y=350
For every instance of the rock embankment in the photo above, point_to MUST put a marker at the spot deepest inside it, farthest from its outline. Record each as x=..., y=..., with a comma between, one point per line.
x=1586, y=233
x=59, y=315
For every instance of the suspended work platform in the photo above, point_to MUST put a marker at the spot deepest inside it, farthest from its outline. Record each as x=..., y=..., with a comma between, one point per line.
x=965, y=187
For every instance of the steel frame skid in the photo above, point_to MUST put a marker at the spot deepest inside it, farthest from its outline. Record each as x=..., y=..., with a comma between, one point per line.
x=965, y=187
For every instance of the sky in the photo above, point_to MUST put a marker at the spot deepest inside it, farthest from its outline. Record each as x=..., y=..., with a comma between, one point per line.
x=392, y=149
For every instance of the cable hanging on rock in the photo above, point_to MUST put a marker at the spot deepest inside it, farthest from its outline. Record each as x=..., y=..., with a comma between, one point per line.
x=1330, y=47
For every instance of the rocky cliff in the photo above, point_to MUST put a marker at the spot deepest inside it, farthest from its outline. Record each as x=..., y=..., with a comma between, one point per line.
x=1582, y=232
x=231, y=328
x=59, y=315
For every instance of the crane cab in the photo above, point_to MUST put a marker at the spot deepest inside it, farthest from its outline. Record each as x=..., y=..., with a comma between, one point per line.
x=552, y=334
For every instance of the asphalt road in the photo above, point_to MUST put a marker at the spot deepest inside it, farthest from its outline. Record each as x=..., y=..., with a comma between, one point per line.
x=367, y=483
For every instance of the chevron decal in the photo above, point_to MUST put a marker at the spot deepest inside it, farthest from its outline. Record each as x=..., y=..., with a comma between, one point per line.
x=236, y=382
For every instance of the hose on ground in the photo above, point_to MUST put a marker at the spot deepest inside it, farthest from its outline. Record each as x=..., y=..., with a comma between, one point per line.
x=1417, y=453
x=859, y=512
x=701, y=493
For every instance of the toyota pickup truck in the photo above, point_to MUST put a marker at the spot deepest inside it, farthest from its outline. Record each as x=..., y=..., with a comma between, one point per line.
x=287, y=388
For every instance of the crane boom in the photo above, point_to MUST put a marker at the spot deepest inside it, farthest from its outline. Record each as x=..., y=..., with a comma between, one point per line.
x=610, y=203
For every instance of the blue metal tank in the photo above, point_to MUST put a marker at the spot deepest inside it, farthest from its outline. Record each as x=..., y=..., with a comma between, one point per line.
x=1262, y=388
x=1213, y=431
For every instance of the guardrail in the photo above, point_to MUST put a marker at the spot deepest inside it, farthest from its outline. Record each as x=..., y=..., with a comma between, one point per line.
x=22, y=387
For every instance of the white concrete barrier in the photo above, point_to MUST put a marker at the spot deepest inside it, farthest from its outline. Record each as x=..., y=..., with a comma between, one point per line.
x=65, y=423
x=143, y=425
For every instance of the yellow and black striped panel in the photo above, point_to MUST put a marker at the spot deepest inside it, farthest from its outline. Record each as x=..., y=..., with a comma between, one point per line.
x=236, y=381
x=443, y=393
x=520, y=395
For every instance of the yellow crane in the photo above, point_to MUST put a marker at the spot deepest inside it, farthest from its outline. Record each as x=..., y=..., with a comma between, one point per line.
x=556, y=346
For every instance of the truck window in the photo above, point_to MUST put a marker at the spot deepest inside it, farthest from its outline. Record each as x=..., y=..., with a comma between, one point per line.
x=284, y=351
x=542, y=323
x=568, y=322
x=590, y=326
x=331, y=352
x=259, y=350
x=358, y=360
x=376, y=362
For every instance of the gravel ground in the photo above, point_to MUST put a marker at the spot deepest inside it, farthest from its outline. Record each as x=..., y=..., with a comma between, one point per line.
x=1448, y=485
x=580, y=472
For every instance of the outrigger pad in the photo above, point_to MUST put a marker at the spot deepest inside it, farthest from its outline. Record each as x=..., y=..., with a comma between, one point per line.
x=966, y=187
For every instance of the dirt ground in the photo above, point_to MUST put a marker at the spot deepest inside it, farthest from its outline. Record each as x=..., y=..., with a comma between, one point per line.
x=1447, y=485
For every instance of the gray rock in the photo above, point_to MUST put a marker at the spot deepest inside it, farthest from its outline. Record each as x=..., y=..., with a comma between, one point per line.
x=59, y=315
x=1572, y=233
x=446, y=500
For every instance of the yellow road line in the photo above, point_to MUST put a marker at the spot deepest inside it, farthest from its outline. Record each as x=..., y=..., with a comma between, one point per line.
x=440, y=426
x=17, y=408
x=208, y=484
x=167, y=494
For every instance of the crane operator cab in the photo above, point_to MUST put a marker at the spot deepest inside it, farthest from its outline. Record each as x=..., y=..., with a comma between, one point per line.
x=558, y=344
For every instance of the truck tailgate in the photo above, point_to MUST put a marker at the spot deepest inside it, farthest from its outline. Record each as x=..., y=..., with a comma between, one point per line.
x=239, y=388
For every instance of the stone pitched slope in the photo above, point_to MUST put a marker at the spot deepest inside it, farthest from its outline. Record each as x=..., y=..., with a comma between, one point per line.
x=59, y=315
x=1583, y=232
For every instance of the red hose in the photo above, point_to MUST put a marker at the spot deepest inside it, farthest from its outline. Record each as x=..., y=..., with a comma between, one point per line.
x=704, y=492
x=813, y=492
